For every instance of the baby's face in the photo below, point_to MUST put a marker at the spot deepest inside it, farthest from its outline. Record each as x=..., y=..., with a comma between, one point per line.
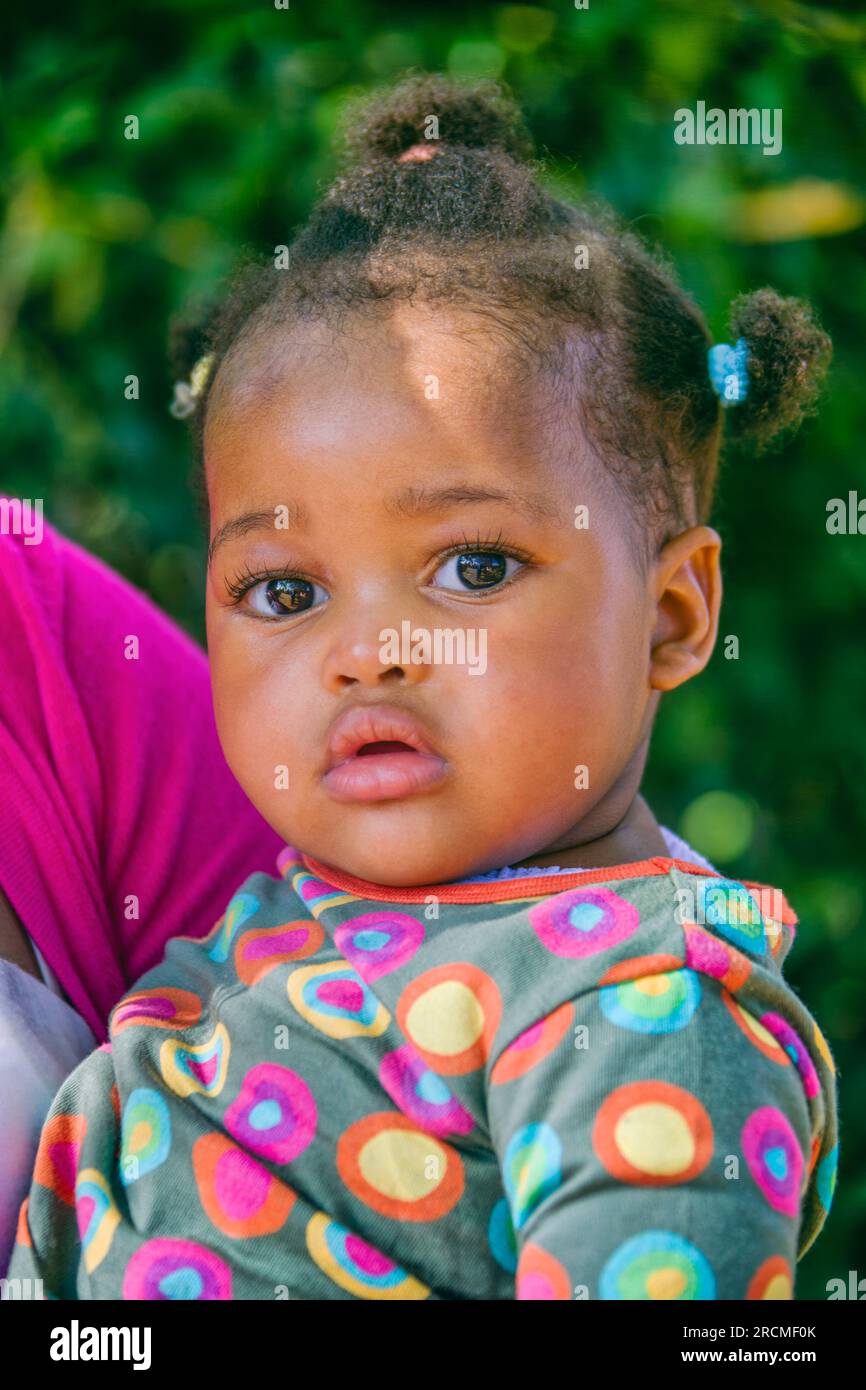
x=513, y=665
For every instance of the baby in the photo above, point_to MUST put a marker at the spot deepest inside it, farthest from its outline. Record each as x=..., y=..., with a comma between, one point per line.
x=492, y=1032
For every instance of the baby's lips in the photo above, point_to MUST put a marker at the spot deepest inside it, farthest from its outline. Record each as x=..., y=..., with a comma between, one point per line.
x=374, y=723
x=395, y=773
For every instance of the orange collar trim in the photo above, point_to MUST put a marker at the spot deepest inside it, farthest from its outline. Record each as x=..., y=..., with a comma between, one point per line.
x=514, y=889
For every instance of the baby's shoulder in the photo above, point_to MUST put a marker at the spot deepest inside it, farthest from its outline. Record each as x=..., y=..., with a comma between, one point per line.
x=651, y=933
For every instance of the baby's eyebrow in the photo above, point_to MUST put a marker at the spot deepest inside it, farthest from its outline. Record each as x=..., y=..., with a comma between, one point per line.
x=408, y=502
x=296, y=518
x=420, y=501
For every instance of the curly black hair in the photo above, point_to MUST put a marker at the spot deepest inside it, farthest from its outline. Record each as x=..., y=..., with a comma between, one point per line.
x=608, y=327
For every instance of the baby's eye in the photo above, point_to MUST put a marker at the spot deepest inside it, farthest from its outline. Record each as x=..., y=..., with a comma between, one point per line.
x=279, y=598
x=476, y=570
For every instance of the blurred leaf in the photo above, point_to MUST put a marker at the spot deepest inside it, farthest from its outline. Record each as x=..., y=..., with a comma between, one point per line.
x=805, y=208
x=814, y=22
x=523, y=28
x=392, y=51
x=475, y=58
x=682, y=49
x=79, y=288
x=188, y=242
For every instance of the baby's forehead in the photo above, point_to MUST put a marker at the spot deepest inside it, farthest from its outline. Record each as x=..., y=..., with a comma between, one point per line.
x=452, y=356
x=426, y=385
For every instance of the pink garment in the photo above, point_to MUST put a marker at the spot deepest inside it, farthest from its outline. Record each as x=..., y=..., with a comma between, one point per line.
x=112, y=780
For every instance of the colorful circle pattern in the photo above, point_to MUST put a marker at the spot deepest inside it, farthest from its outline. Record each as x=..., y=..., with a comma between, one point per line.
x=316, y=895
x=635, y=967
x=825, y=1177
x=239, y=1195
x=657, y=1265
x=97, y=1216
x=540, y=1277
x=653, y=1133
x=450, y=1014
x=661, y=1003
x=398, y=1170
x=168, y=1268
x=58, y=1154
x=357, y=1267
x=145, y=1134
x=775, y=1158
x=288, y=859
x=732, y=910
x=532, y=1045
x=242, y=907
x=334, y=999
x=501, y=1237
x=583, y=921
x=274, y=1115
x=200, y=1068
x=796, y=1050
x=156, y=1008
x=774, y=1279
x=755, y=1030
x=263, y=948
x=707, y=954
x=531, y=1169
x=823, y=1047
x=376, y=943
x=421, y=1094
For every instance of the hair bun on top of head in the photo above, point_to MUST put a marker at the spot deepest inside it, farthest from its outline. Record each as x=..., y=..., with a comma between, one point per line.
x=428, y=110
x=389, y=229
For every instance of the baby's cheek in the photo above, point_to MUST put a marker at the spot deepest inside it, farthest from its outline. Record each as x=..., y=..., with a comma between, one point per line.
x=570, y=719
x=518, y=733
x=250, y=724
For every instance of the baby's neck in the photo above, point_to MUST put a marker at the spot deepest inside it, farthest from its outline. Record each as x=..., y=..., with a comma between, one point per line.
x=637, y=836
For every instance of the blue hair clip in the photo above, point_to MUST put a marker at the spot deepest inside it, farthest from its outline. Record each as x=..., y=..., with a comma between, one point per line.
x=728, y=372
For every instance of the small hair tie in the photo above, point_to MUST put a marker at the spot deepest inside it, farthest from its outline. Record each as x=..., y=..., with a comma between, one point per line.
x=728, y=371
x=187, y=393
x=416, y=152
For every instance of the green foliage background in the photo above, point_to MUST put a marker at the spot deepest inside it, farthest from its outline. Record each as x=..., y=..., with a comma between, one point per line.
x=762, y=761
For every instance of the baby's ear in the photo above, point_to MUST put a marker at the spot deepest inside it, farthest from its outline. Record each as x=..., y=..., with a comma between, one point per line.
x=688, y=593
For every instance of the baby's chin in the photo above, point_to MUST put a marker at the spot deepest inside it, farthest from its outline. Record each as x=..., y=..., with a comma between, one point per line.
x=401, y=866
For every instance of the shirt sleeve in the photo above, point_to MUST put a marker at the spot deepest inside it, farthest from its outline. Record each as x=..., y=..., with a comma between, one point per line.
x=41, y=1041
x=660, y=1150
x=67, y=1221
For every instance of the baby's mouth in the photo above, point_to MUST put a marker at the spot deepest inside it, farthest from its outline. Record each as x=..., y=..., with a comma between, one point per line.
x=383, y=771
x=383, y=746
x=366, y=768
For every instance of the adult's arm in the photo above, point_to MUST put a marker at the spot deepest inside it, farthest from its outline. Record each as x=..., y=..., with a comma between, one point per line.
x=121, y=823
